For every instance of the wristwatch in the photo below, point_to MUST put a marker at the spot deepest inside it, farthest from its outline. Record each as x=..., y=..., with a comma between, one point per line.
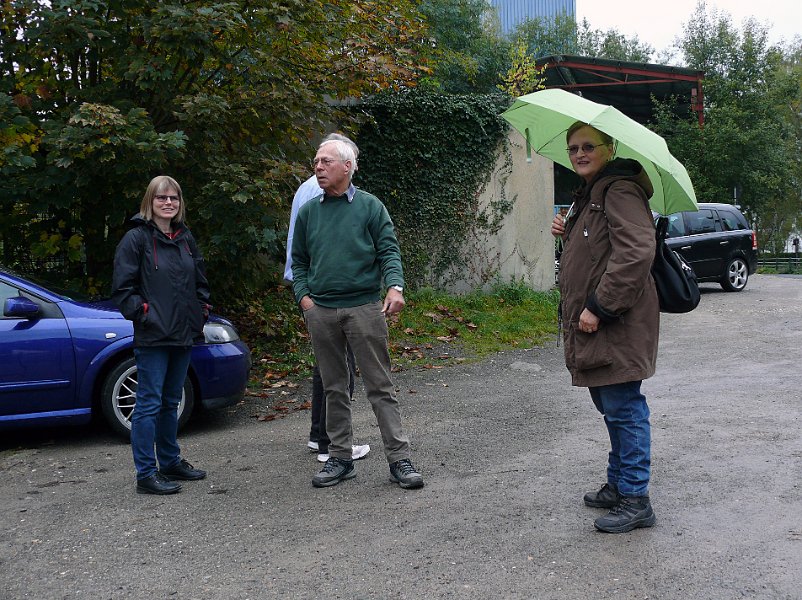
x=397, y=288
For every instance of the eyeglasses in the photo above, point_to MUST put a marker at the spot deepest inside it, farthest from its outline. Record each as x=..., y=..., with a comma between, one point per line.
x=326, y=162
x=586, y=148
x=163, y=199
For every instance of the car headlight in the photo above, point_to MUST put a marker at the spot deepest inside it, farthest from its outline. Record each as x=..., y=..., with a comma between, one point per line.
x=219, y=333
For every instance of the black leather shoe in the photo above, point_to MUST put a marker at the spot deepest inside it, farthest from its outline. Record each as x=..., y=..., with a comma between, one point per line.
x=405, y=475
x=333, y=472
x=606, y=497
x=183, y=470
x=157, y=484
x=628, y=514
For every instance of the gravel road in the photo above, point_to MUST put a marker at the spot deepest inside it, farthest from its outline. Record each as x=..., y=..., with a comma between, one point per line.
x=507, y=448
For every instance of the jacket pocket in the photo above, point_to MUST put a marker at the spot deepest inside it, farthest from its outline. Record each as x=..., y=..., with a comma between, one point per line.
x=591, y=350
x=141, y=317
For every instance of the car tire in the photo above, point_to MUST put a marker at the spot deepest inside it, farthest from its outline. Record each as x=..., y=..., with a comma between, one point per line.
x=736, y=275
x=118, y=398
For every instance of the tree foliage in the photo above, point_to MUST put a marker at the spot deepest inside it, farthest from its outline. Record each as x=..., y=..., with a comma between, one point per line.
x=523, y=76
x=751, y=136
x=561, y=34
x=467, y=49
x=99, y=96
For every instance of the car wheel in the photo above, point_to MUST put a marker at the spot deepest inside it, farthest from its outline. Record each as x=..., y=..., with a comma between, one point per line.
x=735, y=276
x=118, y=398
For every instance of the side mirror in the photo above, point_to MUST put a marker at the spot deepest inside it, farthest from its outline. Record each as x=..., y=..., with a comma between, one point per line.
x=20, y=307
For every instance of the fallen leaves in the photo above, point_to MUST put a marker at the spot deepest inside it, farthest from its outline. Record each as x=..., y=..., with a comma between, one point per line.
x=283, y=406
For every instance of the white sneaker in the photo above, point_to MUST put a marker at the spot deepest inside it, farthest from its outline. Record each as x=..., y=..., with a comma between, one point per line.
x=314, y=446
x=357, y=452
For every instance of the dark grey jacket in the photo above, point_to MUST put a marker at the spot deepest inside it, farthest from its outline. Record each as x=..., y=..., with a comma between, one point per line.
x=160, y=284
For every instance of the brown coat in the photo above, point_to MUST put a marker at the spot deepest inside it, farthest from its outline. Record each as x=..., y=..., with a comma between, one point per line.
x=605, y=265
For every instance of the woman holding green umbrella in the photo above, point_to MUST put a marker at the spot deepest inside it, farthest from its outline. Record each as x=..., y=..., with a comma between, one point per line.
x=610, y=314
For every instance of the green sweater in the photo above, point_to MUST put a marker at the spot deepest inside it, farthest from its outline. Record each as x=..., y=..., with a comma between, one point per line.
x=341, y=250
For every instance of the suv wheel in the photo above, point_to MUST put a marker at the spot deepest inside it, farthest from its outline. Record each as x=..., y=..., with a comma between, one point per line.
x=118, y=398
x=736, y=275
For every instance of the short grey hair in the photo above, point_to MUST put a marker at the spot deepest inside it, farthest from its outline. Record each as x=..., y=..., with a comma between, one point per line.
x=336, y=137
x=344, y=152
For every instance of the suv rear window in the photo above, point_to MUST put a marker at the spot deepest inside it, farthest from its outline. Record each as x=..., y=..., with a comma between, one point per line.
x=732, y=221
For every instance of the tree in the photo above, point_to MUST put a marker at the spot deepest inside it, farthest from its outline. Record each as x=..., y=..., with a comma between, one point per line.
x=611, y=45
x=751, y=135
x=545, y=36
x=467, y=49
x=523, y=76
x=99, y=96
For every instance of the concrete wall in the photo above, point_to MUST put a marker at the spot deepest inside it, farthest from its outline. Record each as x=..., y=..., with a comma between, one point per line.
x=523, y=247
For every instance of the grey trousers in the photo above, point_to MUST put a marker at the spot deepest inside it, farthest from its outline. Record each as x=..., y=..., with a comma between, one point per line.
x=364, y=328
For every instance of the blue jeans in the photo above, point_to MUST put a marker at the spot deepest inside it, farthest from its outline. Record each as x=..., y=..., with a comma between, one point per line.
x=161, y=371
x=626, y=415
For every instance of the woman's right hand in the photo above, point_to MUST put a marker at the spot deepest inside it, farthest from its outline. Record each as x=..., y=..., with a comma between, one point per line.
x=558, y=226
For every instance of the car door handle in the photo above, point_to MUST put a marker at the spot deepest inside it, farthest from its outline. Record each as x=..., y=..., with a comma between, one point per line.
x=685, y=248
x=724, y=243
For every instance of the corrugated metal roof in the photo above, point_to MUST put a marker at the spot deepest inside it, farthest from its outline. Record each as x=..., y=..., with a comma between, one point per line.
x=513, y=12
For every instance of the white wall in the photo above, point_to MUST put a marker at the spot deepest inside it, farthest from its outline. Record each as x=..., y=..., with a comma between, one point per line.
x=524, y=247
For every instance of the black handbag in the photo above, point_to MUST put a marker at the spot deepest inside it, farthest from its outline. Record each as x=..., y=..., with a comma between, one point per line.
x=676, y=283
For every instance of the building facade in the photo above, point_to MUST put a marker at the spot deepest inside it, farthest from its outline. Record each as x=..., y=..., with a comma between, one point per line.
x=513, y=12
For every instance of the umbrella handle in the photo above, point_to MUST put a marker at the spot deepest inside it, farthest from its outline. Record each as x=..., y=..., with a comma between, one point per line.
x=528, y=146
x=662, y=227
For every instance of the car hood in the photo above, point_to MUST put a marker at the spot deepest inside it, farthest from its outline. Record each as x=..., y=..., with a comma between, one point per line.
x=101, y=309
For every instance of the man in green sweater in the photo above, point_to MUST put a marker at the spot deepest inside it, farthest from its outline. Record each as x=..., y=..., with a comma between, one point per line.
x=344, y=254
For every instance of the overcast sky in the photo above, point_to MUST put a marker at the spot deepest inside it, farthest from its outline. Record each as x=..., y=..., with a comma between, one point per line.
x=659, y=22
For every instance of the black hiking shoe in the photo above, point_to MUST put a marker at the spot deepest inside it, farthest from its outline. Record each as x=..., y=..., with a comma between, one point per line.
x=628, y=514
x=184, y=471
x=157, y=484
x=405, y=475
x=333, y=472
x=606, y=497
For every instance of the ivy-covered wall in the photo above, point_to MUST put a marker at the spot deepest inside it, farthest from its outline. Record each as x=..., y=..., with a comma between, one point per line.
x=429, y=157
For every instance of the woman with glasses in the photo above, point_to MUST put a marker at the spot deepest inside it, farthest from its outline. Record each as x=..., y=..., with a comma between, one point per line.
x=159, y=283
x=611, y=315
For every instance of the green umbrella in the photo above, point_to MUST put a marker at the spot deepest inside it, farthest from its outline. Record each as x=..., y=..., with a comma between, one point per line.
x=544, y=117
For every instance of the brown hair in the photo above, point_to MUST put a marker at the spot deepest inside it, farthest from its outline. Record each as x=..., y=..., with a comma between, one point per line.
x=606, y=139
x=156, y=186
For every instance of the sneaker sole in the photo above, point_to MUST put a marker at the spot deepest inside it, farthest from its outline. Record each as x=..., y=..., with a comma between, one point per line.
x=593, y=504
x=407, y=486
x=320, y=484
x=646, y=522
x=140, y=490
x=181, y=477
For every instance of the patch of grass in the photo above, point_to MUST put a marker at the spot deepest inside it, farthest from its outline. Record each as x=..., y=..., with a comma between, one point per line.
x=434, y=328
x=438, y=326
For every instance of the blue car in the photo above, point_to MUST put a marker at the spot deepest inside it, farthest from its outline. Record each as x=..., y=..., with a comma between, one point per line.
x=63, y=360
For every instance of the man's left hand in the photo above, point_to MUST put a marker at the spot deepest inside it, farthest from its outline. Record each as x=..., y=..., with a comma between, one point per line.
x=393, y=302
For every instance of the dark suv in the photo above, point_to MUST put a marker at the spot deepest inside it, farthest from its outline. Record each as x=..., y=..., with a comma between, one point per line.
x=717, y=242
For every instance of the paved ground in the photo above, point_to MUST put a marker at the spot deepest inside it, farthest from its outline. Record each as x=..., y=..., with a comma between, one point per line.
x=507, y=448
